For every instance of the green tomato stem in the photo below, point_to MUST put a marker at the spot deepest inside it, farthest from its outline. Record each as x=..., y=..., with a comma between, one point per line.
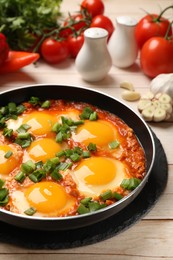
x=162, y=12
x=168, y=30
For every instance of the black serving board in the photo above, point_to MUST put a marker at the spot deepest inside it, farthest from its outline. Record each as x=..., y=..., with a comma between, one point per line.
x=94, y=233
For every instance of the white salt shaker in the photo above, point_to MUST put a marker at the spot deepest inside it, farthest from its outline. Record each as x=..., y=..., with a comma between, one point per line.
x=122, y=44
x=93, y=61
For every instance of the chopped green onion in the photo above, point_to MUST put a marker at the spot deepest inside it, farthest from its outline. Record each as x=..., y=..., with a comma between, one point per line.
x=34, y=101
x=3, y=193
x=60, y=154
x=82, y=209
x=56, y=175
x=2, y=182
x=114, y=144
x=68, y=153
x=117, y=196
x=28, y=167
x=87, y=111
x=46, y=104
x=92, y=147
x=130, y=184
x=93, y=206
x=37, y=175
x=2, y=122
x=12, y=108
x=4, y=201
x=59, y=137
x=23, y=128
x=25, y=135
x=23, y=143
x=106, y=195
x=56, y=127
x=3, y=110
x=20, y=109
x=55, y=160
x=79, y=122
x=8, y=154
x=31, y=211
x=49, y=166
x=86, y=154
x=75, y=157
x=85, y=201
x=8, y=132
x=93, y=116
x=20, y=177
x=64, y=166
x=39, y=164
x=78, y=150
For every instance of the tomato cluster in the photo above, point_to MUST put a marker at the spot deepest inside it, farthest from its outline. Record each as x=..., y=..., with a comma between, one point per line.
x=153, y=33
x=67, y=40
x=154, y=37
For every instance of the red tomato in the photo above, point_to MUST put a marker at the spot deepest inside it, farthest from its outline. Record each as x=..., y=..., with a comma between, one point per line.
x=76, y=22
x=54, y=51
x=4, y=49
x=94, y=7
x=103, y=22
x=150, y=26
x=75, y=44
x=157, y=56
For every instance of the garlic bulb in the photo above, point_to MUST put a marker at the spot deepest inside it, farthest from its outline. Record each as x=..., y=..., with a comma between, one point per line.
x=163, y=83
x=156, y=108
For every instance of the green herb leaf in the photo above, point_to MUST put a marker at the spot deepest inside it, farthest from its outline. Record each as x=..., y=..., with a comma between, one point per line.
x=23, y=22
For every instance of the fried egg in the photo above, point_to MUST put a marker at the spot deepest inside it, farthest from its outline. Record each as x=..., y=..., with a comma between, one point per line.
x=42, y=149
x=40, y=122
x=8, y=164
x=48, y=198
x=99, y=132
x=98, y=174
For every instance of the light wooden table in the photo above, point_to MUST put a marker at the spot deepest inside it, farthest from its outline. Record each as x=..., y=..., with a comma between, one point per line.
x=150, y=238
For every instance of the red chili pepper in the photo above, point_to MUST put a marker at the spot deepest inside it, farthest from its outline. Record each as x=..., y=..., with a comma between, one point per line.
x=17, y=60
x=4, y=48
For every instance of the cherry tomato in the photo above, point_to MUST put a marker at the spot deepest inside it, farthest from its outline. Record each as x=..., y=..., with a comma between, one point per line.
x=94, y=7
x=149, y=26
x=76, y=22
x=104, y=22
x=156, y=56
x=4, y=48
x=54, y=51
x=75, y=43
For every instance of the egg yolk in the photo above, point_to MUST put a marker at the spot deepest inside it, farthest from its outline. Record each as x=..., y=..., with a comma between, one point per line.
x=97, y=174
x=46, y=196
x=43, y=149
x=99, y=132
x=98, y=170
x=40, y=122
x=7, y=164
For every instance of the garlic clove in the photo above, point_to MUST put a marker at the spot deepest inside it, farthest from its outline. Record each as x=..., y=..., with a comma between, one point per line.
x=127, y=85
x=159, y=115
x=148, y=113
x=144, y=103
x=166, y=107
x=165, y=98
x=130, y=95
